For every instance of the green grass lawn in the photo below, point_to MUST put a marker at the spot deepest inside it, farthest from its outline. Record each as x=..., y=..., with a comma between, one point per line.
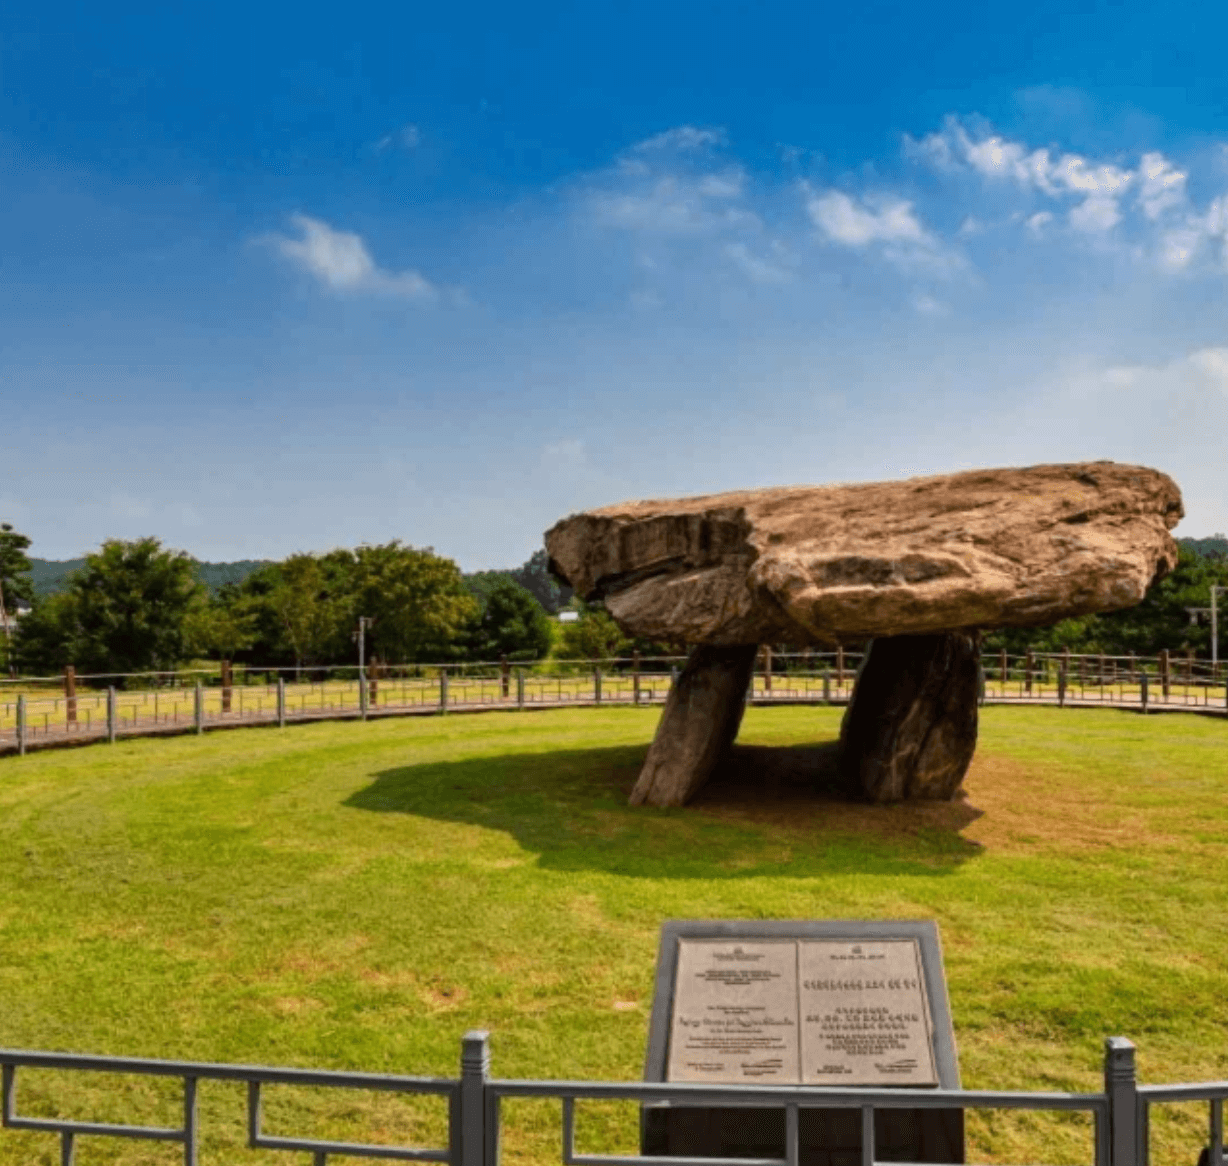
x=357, y=896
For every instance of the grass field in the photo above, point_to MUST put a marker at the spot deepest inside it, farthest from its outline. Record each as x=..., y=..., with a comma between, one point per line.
x=356, y=896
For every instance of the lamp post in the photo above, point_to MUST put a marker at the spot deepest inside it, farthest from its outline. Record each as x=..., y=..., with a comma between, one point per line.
x=363, y=620
x=1215, y=590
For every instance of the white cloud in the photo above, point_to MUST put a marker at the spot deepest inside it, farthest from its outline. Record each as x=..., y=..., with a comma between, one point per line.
x=407, y=137
x=885, y=220
x=683, y=138
x=1100, y=185
x=341, y=260
x=1203, y=372
x=928, y=306
x=856, y=224
x=674, y=204
x=1096, y=215
x=727, y=184
x=1036, y=223
x=1163, y=186
x=755, y=267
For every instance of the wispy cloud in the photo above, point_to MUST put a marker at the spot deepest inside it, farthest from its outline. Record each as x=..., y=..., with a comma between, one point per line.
x=682, y=138
x=406, y=138
x=1094, y=197
x=884, y=220
x=341, y=261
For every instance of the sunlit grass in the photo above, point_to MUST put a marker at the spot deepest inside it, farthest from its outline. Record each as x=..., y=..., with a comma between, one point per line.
x=357, y=896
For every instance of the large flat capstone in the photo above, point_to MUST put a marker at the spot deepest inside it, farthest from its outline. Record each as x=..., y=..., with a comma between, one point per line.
x=815, y=565
x=916, y=566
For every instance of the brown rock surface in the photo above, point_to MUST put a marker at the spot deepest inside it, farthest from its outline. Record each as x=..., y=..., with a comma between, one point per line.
x=915, y=566
x=910, y=730
x=701, y=718
x=820, y=564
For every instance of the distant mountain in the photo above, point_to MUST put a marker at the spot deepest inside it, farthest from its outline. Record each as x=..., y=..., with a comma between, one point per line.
x=1216, y=544
x=51, y=575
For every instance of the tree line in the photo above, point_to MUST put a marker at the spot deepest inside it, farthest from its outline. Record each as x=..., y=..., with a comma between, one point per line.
x=136, y=606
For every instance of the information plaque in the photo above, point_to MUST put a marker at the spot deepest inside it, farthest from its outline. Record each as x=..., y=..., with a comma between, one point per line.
x=805, y=1002
x=801, y=1011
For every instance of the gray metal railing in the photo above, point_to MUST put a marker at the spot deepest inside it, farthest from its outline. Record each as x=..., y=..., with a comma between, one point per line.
x=191, y=1073
x=250, y=696
x=474, y=1099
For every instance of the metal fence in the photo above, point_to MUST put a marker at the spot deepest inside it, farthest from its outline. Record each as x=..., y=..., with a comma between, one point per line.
x=36, y=712
x=474, y=1099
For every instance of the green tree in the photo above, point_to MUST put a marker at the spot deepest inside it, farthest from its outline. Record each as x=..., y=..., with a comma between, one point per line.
x=310, y=599
x=594, y=636
x=223, y=626
x=512, y=624
x=126, y=610
x=15, y=581
x=417, y=601
x=534, y=576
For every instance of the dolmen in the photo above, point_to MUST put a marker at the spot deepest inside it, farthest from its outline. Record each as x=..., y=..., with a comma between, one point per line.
x=915, y=568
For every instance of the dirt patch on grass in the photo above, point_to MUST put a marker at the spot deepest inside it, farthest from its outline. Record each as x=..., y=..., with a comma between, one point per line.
x=796, y=789
x=1023, y=807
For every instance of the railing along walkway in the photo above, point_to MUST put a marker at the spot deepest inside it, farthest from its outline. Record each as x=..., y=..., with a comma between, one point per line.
x=31, y=722
x=1119, y=1113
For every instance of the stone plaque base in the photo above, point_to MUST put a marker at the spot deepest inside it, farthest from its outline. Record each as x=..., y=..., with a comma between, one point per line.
x=777, y=1002
x=827, y=1137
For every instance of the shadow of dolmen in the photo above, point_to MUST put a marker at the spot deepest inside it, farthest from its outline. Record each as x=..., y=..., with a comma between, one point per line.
x=766, y=811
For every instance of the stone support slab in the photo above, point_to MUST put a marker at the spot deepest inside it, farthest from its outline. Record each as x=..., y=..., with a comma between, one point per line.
x=701, y=719
x=910, y=729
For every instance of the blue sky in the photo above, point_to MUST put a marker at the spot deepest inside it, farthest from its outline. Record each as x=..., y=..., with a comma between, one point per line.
x=280, y=278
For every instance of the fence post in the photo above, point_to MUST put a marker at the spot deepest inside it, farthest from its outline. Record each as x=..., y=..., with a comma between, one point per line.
x=827, y=686
x=505, y=676
x=839, y=665
x=362, y=693
x=980, y=683
x=1061, y=681
x=767, y=669
x=21, y=726
x=1027, y=673
x=520, y=688
x=1142, y=680
x=597, y=685
x=70, y=694
x=1002, y=669
x=443, y=690
x=471, y=1121
x=227, y=682
x=1122, y=1092
x=373, y=674
x=112, y=728
x=198, y=708
x=635, y=678
x=1164, y=681
x=281, y=702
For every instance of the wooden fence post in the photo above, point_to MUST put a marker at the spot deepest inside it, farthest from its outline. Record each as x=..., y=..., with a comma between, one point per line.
x=505, y=676
x=635, y=678
x=1164, y=680
x=767, y=669
x=839, y=665
x=374, y=673
x=1027, y=672
x=21, y=725
x=227, y=682
x=70, y=694
x=1002, y=670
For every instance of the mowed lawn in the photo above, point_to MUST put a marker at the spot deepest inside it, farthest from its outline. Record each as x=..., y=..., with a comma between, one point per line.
x=356, y=896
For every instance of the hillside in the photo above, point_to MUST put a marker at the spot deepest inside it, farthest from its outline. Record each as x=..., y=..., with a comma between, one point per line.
x=50, y=575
